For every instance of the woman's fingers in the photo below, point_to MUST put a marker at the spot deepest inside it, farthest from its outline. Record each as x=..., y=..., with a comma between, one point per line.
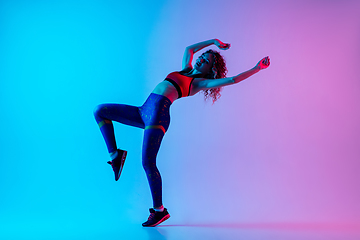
x=221, y=45
x=225, y=46
x=266, y=61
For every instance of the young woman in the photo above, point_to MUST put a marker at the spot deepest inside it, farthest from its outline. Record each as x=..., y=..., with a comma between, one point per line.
x=207, y=75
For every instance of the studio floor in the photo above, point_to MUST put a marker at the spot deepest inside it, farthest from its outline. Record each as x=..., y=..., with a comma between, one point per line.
x=253, y=231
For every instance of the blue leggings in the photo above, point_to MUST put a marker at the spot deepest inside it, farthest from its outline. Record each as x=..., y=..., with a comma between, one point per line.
x=153, y=116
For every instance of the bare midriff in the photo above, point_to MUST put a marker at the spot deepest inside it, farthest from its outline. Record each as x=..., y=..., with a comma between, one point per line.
x=166, y=89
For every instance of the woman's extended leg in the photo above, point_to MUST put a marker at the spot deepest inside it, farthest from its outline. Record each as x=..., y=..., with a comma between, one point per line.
x=155, y=114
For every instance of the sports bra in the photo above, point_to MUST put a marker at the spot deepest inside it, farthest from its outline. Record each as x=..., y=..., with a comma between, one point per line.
x=181, y=83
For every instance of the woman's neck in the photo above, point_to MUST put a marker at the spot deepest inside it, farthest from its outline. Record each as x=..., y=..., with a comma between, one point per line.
x=195, y=72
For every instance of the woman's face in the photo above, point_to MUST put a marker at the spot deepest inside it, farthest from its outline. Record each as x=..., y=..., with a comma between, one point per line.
x=204, y=63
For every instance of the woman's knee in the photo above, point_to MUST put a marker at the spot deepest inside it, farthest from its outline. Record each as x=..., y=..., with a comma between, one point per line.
x=149, y=166
x=98, y=109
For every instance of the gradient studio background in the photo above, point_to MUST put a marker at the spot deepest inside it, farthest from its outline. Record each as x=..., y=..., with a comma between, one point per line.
x=283, y=146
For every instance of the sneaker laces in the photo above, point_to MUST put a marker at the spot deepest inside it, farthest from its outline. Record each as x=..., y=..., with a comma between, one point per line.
x=152, y=215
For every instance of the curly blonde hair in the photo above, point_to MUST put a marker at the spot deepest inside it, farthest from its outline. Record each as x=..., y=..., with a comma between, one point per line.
x=218, y=70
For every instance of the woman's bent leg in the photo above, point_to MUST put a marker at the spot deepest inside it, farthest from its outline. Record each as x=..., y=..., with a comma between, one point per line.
x=105, y=113
x=151, y=145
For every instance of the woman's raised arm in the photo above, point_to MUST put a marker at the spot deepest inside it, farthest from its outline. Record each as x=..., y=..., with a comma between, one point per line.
x=203, y=84
x=190, y=50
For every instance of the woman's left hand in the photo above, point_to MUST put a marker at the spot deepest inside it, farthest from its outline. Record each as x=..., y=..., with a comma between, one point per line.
x=264, y=63
x=221, y=45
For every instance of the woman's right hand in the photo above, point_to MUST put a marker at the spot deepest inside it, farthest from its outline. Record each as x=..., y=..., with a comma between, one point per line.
x=263, y=63
x=221, y=45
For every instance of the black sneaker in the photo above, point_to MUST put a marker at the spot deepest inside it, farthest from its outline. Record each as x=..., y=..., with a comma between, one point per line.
x=156, y=218
x=118, y=163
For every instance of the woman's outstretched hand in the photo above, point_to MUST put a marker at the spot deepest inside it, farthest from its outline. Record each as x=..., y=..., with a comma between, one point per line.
x=264, y=63
x=221, y=45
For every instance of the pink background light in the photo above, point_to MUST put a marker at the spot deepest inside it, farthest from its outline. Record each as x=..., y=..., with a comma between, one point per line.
x=284, y=144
